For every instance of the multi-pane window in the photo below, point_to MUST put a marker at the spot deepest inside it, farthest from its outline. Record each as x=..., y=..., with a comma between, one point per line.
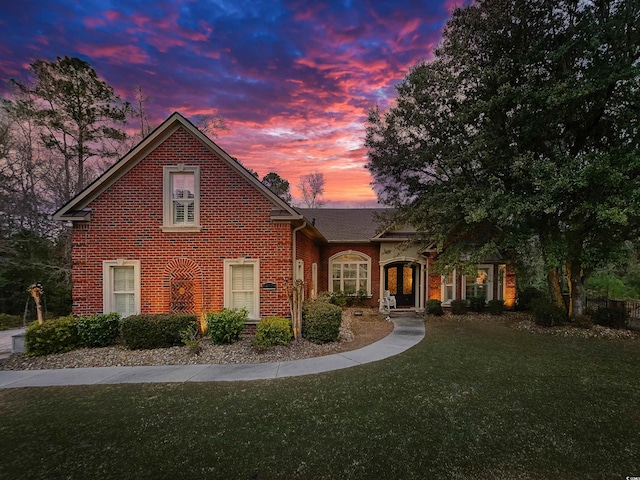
x=181, y=198
x=350, y=273
x=121, y=287
x=480, y=284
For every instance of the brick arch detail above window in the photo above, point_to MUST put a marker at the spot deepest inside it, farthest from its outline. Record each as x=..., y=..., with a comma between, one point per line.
x=183, y=282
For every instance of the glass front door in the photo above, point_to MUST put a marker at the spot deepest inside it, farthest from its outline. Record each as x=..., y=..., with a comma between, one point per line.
x=400, y=280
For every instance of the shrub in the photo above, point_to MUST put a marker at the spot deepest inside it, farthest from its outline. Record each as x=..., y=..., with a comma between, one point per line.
x=321, y=322
x=226, y=327
x=496, y=307
x=339, y=299
x=98, y=330
x=10, y=321
x=434, y=307
x=154, y=330
x=272, y=331
x=53, y=336
x=546, y=313
x=612, y=317
x=190, y=337
x=477, y=304
x=526, y=297
x=458, y=307
x=583, y=321
x=344, y=299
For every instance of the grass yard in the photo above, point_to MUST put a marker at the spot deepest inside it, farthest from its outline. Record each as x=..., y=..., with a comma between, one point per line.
x=476, y=399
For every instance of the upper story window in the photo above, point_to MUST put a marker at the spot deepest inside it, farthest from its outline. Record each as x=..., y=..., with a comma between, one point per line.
x=350, y=273
x=181, y=198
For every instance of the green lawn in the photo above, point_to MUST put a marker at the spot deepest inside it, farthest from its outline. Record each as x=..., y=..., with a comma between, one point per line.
x=473, y=400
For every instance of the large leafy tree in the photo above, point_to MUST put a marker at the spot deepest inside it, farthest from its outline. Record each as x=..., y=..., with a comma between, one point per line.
x=523, y=129
x=80, y=115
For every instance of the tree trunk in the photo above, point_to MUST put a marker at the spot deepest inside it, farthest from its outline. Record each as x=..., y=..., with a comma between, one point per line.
x=554, y=283
x=577, y=291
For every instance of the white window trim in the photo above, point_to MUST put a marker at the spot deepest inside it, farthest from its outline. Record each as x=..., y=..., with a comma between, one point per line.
x=502, y=283
x=168, y=225
x=489, y=282
x=314, y=280
x=107, y=283
x=367, y=261
x=443, y=279
x=228, y=263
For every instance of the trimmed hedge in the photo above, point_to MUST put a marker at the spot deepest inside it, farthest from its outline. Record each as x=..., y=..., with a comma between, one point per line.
x=226, y=327
x=546, y=313
x=458, y=307
x=321, y=322
x=154, y=330
x=477, y=304
x=99, y=330
x=612, y=317
x=52, y=336
x=434, y=307
x=272, y=331
x=496, y=307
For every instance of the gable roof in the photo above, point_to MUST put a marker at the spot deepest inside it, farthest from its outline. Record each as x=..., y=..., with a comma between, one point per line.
x=76, y=209
x=344, y=225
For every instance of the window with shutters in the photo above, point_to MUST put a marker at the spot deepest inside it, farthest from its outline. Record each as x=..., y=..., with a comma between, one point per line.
x=181, y=198
x=242, y=285
x=121, y=287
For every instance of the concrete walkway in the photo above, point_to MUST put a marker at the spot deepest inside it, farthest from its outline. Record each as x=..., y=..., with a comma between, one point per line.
x=407, y=332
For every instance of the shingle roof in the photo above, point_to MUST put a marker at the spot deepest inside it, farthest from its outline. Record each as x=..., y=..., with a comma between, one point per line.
x=344, y=224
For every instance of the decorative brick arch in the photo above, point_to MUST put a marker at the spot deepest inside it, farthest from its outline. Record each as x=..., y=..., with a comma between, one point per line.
x=183, y=286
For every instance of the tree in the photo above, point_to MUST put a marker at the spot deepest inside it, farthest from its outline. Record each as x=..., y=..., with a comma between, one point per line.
x=210, y=124
x=311, y=187
x=79, y=115
x=523, y=128
x=278, y=185
x=140, y=111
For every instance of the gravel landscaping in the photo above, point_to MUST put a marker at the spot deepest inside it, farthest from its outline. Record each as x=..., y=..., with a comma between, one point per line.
x=356, y=332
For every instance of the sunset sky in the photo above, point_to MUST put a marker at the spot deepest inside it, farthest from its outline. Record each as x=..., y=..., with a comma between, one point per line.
x=292, y=79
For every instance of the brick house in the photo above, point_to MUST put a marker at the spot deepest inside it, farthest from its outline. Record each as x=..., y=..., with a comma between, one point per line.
x=179, y=225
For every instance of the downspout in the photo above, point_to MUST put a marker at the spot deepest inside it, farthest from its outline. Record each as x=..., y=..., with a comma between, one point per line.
x=296, y=290
x=293, y=249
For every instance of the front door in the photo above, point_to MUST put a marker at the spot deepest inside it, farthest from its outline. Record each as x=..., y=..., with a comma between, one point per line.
x=400, y=280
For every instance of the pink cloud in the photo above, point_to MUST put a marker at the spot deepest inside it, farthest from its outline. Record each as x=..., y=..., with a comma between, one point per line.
x=117, y=54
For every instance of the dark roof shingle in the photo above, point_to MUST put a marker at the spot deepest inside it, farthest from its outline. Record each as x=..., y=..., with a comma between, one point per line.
x=344, y=224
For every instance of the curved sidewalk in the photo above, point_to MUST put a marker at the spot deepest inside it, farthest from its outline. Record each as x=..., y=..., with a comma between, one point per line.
x=407, y=332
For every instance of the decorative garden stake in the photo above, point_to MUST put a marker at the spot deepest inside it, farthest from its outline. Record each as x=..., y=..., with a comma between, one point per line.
x=36, y=292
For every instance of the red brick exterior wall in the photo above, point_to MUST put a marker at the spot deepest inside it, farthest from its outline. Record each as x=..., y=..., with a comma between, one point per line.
x=126, y=223
x=309, y=252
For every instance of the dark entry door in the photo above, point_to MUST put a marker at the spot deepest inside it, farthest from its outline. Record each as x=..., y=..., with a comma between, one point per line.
x=400, y=280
